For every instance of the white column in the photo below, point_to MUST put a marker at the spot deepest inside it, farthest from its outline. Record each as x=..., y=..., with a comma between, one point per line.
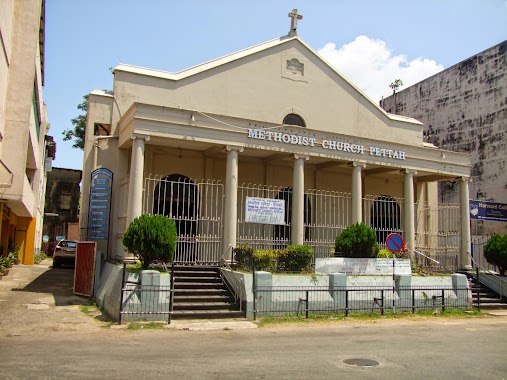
x=408, y=220
x=357, y=193
x=464, y=197
x=135, y=200
x=231, y=199
x=298, y=200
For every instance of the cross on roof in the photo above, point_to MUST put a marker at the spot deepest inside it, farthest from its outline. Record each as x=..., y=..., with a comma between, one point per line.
x=294, y=22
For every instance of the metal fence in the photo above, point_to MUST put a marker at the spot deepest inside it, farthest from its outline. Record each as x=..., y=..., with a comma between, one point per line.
x=478, y=259
x=196, y=207
x=306, y=301
x=145, y=303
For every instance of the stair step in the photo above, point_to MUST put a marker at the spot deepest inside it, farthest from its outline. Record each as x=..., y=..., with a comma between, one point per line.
x=198, y=279
x=206, y=306
x=198, y=285
x=200, y=299
x=201, y=292
x=178, y=273
x=492, y=306
x=210, y=314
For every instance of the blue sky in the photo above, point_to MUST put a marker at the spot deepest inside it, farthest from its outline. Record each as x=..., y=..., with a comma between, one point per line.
x=370, y=42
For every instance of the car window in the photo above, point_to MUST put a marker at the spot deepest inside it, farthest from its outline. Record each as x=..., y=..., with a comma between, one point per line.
x=71, y=244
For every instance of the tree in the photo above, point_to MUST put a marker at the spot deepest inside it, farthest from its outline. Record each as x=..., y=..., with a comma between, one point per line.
x=396, y=85
x=495, y=252
x=151, y=238
x=79, y=122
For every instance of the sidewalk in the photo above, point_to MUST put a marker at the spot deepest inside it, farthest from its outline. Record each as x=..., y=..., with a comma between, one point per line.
x=37, y=299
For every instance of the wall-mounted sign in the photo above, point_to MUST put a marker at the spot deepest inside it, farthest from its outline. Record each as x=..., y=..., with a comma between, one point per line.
x=265, y=210
x=488, y=210
x=341, y=146
x=100, y=204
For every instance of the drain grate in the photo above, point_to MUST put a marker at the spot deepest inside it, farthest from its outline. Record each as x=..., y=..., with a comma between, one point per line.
x=359, y=362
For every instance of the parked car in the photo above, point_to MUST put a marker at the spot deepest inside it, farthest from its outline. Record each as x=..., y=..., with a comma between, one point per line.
x=64, y=253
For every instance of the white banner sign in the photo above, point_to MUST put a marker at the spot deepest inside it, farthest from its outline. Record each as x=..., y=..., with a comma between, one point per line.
x=265, y=210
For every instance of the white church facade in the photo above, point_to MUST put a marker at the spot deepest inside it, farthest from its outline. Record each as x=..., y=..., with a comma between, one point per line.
x=276, y=124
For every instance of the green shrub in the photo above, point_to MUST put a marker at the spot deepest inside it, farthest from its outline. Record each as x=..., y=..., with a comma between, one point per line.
x=40, y=257
x=385, y=254
x=151, y=238
x=266, y=259
x=296, y=258
x=495, y=252
x=243, y=255
x=357, y=240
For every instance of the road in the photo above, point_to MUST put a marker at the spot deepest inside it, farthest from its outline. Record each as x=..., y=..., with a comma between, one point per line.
x=430, y=348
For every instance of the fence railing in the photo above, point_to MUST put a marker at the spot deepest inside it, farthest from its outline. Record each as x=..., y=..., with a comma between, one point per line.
x=233, y=282
x=145, y=302
x=303, y=301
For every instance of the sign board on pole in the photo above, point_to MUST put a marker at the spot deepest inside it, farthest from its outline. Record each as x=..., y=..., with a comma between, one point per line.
x=265, y=210
x=394, y=242
x=100, y=204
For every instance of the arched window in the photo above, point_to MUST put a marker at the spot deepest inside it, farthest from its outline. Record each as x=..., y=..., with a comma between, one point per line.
x=385, y=217
x=293, y=119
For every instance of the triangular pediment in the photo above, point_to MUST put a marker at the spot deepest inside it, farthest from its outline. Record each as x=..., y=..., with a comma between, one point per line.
x=265, y=83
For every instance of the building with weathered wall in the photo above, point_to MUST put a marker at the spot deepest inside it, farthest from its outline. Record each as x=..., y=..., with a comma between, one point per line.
x=464, y=109
x=23, y=121
x=62, y=203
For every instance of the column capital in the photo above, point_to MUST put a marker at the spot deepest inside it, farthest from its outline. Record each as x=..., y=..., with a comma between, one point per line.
x=464, y=179
x=228, y=148
x=300, y=156
x=356, y=164
x=134, y=136
x=408, y=171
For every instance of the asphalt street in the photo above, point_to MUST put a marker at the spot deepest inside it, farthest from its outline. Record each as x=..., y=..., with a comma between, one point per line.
x=429, y=348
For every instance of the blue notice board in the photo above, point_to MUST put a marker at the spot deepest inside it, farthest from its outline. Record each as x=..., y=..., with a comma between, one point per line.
x=488, y=210
x=100, y=204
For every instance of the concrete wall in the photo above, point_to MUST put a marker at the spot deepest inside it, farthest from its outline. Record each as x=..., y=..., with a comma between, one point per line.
x=464, y=109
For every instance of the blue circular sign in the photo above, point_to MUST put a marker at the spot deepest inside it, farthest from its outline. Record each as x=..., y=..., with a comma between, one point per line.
x=394, y=242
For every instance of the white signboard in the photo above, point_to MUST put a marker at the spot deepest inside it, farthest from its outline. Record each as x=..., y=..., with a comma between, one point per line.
x=264, y=210
x=355, y=266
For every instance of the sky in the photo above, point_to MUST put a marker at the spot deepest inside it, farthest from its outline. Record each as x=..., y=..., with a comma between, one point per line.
x=370, y=42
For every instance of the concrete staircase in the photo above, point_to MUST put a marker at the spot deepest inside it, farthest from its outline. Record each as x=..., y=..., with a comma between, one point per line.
x=199, y=293
x=490, y=300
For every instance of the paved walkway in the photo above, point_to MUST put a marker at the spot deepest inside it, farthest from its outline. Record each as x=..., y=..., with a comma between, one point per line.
x=39, y=299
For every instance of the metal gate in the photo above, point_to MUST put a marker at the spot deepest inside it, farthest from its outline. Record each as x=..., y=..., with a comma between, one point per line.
x=197, y=209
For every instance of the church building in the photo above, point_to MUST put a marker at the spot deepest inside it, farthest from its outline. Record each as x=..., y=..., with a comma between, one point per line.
x=268, y=146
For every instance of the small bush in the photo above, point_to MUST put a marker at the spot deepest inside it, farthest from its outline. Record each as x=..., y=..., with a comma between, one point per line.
x=357, y=240
x=495, y=252
x=243, y=255
x=266, y=259
x=151, y=238
x=296, y=258
x=385, y=254
x=39, y=258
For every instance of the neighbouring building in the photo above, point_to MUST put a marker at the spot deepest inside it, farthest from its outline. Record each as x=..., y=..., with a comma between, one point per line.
x=62, y=205
x=268, y=146
x=24, y=146
x=464, y=109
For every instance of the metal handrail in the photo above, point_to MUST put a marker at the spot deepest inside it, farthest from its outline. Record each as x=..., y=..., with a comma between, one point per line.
x=422, y=254
x=237, y=279
x=498, y=284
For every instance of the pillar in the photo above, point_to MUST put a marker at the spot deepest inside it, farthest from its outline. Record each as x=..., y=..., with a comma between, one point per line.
x=409, y=221
x=28, y=257
x=357, y=193
x=464, y=197
x=231, y=199
x=298, y=200
x=135, y=200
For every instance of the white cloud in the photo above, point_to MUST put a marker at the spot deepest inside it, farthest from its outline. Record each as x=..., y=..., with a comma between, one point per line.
x=371, y=66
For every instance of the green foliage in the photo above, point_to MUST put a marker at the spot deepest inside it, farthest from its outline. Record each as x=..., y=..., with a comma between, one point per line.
x=79, y=122
x=243, y=255
x=385, y=254
x=357, y=240
x=151, y=238
x=40, y=257
x=296, y=258
x=495, y=252
x=266, y=259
